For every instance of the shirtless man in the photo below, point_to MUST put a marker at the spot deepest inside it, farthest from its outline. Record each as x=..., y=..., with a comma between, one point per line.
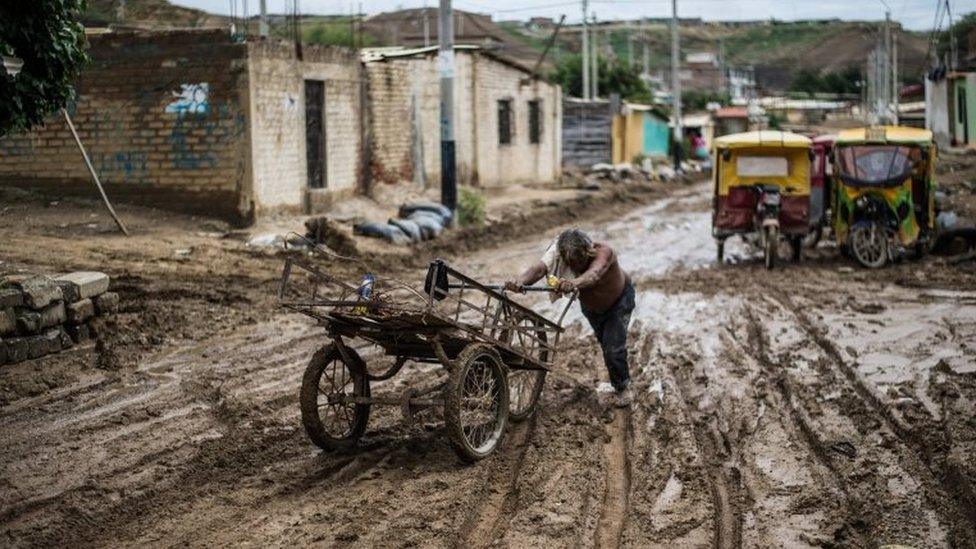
x=605, y=291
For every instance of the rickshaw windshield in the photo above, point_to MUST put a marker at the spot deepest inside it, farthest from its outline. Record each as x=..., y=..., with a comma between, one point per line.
x=874, y=165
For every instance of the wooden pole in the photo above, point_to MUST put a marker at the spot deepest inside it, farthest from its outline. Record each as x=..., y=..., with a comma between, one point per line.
x=94, y=175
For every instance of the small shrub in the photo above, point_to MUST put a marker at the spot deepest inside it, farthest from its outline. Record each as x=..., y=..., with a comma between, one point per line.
x=471, y=208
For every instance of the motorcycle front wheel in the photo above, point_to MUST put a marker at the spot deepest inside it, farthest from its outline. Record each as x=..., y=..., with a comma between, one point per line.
x=869, y=245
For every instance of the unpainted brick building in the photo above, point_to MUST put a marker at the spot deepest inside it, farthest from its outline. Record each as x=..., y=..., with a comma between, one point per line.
x=196, y=122
x=507, y=122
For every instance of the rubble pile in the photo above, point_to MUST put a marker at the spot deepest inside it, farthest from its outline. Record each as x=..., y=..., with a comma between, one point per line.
x=40, y=315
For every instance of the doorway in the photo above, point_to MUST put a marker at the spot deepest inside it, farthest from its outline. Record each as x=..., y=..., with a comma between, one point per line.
x=315, y=133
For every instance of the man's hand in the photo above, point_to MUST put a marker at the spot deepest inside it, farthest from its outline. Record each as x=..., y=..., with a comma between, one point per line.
x=515, y=286
x=566, y=287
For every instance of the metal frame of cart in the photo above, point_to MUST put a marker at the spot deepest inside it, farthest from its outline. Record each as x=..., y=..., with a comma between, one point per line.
x=495, y=351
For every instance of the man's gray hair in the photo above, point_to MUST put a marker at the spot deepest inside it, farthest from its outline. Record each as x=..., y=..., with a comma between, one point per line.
x=575, y=246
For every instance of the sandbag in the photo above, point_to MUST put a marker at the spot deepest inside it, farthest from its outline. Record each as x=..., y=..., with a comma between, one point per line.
x=410, y=228
x=390, y=233
x=442, y=211
x=429, y=223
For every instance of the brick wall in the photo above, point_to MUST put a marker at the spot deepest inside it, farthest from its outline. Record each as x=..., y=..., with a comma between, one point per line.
x=519, y=161
x=278, y=127
x=163, y=117
x=404, y=94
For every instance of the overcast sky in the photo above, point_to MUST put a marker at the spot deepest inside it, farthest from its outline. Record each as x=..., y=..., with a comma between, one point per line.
x=913, y=14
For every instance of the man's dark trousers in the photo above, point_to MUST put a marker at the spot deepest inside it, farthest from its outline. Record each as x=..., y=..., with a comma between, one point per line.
x=610, y=328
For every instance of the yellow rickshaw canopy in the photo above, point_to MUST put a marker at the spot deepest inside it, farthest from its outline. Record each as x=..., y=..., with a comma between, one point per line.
x=884, y=134
x=762, y=138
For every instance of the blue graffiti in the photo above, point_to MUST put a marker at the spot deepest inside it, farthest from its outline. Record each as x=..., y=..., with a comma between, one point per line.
x=192, y=98
x=131, y=164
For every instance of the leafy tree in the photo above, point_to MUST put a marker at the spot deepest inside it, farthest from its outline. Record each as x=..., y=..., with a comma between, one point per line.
x=613, y=77
x=48, y=37
x=810, y=81
x=696, y=100
x=961, y=29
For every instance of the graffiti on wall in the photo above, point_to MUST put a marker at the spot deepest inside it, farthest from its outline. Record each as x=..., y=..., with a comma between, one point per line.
x=192, y=98
x=131, y=165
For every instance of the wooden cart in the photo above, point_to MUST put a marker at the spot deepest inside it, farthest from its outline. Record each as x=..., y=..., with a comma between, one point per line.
x=495, y=353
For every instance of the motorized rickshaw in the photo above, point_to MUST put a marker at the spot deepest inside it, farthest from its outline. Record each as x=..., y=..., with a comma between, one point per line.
x=762, y=190
x=883, y=202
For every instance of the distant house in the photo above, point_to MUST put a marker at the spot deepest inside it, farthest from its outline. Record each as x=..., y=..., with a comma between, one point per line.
x=950, y=109
x=640, y=130
x=729, y=120
x=507, y=122
x=418, y=27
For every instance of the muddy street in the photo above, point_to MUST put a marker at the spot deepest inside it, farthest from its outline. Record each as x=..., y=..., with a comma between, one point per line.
x=811, y=406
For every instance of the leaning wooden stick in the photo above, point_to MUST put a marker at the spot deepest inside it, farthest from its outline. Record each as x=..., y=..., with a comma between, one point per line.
x=94, y=175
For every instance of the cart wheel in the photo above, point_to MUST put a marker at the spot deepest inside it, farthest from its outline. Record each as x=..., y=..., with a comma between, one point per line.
x=331, y=423
x=476, y=402
x=720, y=249
x=525, y=386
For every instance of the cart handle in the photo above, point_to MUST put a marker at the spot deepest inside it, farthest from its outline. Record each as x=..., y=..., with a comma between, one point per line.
x=501, y=287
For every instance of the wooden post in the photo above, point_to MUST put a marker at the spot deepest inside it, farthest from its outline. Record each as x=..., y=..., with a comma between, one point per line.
x=94, y=175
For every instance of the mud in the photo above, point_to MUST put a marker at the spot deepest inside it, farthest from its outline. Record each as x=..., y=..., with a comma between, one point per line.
x=812, y=406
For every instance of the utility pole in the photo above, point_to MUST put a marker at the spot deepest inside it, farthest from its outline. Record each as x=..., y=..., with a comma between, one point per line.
x=263, y=20
x=676, y=85
x=586, y=56
x=896, y=87
x=426, y=26
x=595, y=77
x=445, y=65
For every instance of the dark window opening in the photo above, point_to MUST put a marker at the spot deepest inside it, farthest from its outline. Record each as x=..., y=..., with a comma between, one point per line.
x=505, y=122
x=535, y=121
x=315, y=133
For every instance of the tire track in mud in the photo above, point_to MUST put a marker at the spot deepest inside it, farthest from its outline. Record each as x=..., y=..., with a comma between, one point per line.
x=725, y=481
x=929, y=447
x=616, y=497
x=758, y=349
x=486, y=522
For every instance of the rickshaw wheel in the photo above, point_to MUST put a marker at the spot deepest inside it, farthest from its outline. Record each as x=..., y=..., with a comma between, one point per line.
x=525, y=386
x=476, y=402
x=720, y=248
x=770, y=247
x=812, y=238
x=869, y=245
x=331, y=423
x=796, y=243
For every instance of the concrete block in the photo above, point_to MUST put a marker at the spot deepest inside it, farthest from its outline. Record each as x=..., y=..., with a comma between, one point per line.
x=106, y=303
x=40, y=291
x=8, y=322
x=53, y=315
x=66, y=342
x=69, y=290
x=88, y=283
x=44, y=344
x=81, y=311
x=80, y=333
x=11, y=297
x=28, y=322
x=16, y=349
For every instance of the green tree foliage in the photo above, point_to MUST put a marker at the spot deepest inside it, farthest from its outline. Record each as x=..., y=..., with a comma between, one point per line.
x=810, y=81
x=960, y=30
x=335, y=32
x=697, y=100
x=614, y=77
x=48, y=37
